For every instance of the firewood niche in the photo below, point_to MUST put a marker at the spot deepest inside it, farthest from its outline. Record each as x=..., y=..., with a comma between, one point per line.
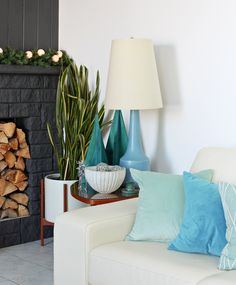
x=13, y=179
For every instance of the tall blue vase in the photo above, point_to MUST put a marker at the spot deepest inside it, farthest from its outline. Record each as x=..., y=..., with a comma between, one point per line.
x=134, y=156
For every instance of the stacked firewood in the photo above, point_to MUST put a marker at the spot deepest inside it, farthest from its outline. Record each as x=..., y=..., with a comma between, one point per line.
x=13, y=180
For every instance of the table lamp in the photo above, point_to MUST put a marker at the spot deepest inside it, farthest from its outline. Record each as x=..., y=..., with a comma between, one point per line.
x=133, y=84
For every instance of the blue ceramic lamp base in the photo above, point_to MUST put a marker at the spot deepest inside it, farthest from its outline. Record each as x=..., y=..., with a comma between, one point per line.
x=134, y=156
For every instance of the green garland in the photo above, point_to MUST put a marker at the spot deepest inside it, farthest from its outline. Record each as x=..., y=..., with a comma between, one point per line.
x=36, y=57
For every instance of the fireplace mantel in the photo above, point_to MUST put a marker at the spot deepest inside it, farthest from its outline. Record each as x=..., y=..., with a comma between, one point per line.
x=29, y=69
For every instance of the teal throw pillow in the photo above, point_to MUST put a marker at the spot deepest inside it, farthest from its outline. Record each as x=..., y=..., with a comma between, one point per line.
x=228, y=198
x=203, y=229
x=161, y=205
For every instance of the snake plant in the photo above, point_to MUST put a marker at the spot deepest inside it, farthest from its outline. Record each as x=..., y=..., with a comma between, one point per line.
x=76, y=108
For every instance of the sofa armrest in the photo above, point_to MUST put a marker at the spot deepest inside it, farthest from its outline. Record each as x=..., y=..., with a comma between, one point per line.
x=77, y=232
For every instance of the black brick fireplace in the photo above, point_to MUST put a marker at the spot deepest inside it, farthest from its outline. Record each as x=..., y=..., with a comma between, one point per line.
x=27, y=97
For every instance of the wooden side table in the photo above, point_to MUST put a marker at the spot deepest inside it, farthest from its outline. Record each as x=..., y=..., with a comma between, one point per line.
x=93, y=198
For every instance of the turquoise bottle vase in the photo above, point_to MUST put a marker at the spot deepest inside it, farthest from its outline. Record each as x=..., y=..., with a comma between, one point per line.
x=134, y=156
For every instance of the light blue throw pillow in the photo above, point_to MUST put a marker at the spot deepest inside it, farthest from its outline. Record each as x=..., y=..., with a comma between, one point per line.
x=228, y=198
x=161, y=205
x=204, y=227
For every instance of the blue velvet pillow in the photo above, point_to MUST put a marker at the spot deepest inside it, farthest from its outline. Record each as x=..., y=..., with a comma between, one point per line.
x=204, y=227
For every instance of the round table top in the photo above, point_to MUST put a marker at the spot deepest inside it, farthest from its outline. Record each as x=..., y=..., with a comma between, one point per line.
x=91, y=197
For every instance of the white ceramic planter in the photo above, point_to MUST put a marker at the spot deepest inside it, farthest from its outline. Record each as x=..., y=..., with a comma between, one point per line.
x=54, y=197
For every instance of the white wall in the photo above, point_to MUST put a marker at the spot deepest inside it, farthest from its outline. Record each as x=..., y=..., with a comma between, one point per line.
x=196, y=55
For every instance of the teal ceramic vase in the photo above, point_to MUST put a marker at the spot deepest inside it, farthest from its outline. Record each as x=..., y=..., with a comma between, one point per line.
x=96, y=151
x=118, y=140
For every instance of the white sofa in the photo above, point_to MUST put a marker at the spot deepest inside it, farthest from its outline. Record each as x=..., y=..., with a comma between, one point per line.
x=89, y=246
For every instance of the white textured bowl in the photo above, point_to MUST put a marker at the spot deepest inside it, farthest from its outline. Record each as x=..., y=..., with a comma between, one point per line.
x=104, y=181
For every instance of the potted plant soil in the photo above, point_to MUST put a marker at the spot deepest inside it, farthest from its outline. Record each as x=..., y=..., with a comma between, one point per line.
x=76, y=108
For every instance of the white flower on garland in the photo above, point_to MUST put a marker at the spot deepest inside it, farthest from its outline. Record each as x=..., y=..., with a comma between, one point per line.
x=55, y=58
x=28, y=54
x=59, y=53
x=40, y=52
x=1, y=50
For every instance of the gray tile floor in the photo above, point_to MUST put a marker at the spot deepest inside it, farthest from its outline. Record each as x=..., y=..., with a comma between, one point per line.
x=27, y=264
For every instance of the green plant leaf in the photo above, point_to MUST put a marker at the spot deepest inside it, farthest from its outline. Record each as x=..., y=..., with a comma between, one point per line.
x=76, y=108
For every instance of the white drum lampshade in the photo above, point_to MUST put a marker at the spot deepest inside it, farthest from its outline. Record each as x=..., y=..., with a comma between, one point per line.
x=133, y=82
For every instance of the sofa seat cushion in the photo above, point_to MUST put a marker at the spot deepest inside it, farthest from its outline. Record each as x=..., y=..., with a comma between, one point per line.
x=147, y=263
x=222, y=278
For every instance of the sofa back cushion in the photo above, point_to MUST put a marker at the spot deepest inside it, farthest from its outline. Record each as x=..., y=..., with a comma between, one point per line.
x=221, y=160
